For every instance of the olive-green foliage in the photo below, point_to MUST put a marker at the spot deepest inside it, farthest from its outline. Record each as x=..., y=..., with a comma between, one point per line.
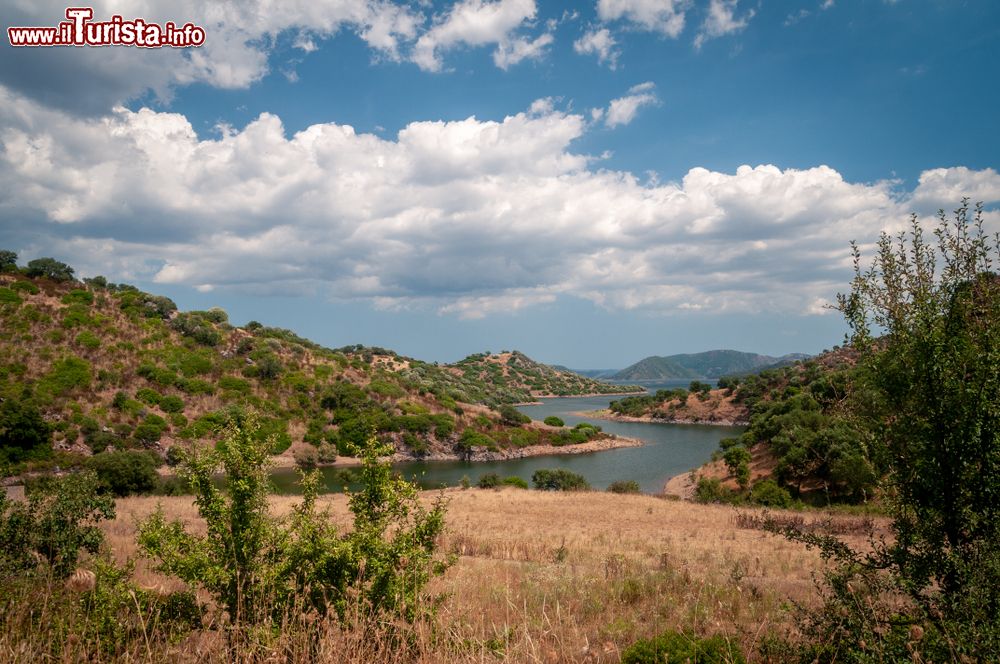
x=66, y=374
x=738, y=461
x=559, y=479
x=932, y=387
x=78, y=296
x=198, y=327
x=471, y=439
x=24, y=433
x=126, y=472
x=171, y=404
x=680, y=647
x=148, y=396
x=711, y=490
x=259, y=568
x=8, y=260
x=7, y=296
x=88, y=340
x=384, y=388
x=25, y=287
x=511, y=416
x=489, y=481
x=515, y=481
x=58, y=521
x=554, y=421
x=635, y=406
x=525, y=437
x=49, y=267
x=625, y=486
x=766, y=492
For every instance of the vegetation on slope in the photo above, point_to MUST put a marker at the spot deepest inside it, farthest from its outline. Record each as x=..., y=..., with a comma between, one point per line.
x=708, y=365
x=97, y=366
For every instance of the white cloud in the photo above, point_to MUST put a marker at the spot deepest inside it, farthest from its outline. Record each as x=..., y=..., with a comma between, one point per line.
x=623, y=110
x=473, y=23
x=515, y=50
x=721, y=20
x=469, y=217
x=599, y=43
x=663, y=16
x=239, y=39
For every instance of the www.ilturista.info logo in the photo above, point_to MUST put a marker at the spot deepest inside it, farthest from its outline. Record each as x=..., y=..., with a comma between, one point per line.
x=79, y=30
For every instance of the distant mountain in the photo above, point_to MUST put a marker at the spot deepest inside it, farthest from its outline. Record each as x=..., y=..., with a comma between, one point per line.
x=600, y=374
x=698, y=366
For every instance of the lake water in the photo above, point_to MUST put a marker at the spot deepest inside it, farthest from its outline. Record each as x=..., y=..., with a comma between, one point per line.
x=669, y=449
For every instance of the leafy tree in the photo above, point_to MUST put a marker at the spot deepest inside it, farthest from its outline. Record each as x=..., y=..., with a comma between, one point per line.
x=260, y=567
x=126, y=472
x=925, y=318
x=8, y=260
x=49, y=267
x=22, y=430
x=58, y=521
x=559, y=479
x=511, y=416
x=738, y=461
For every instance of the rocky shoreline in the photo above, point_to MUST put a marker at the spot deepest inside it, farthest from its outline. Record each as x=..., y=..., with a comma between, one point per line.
x=605, y=414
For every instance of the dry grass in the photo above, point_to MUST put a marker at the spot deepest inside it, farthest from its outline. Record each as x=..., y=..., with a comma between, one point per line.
x=575, y=577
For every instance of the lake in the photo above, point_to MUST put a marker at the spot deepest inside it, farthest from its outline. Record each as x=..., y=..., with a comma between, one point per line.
x=669, y=449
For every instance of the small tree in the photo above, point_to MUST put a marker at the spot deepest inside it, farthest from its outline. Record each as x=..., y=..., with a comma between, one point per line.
x=259, y=567
x=8, y=260
x=49, y=267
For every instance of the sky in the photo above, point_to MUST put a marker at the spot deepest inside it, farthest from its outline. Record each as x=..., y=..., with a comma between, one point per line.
x=590, y=183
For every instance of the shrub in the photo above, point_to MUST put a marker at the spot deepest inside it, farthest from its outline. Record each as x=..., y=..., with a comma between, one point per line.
x=25, y=287
x=768, y=493
x=88, y=340
x=58, y=521
x=515, y=481
x=171, y=404
x=306, y=457
x=23, y=432
x=7, y=296
x=711, y=490
x=49, y=267
x=678, y=647
x=489, y=481
x=559, y=479
x=126, y=472
x=511, y=416
x=259, y=567
x=78, y=296
x=625, y=486
x=67, y=374
x=554, y=421
x=148, y=396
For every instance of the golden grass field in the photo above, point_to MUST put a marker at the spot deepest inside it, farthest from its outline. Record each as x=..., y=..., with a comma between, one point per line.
x=572, y=577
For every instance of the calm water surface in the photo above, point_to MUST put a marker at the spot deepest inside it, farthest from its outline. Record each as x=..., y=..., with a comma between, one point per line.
x=669, y=449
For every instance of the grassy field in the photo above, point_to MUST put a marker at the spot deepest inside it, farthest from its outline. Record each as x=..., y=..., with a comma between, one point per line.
x=561, y=577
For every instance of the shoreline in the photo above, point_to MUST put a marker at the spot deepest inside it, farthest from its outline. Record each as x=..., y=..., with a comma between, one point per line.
x=577, y=396
x=605, y=414
x=602, y=445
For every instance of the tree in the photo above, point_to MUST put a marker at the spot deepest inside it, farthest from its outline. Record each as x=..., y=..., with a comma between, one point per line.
x=926, y=320
x=51, y=268
x=22, y=430
x=8, y=260
x=559, y=479
x=511, y=416
x=262, y=568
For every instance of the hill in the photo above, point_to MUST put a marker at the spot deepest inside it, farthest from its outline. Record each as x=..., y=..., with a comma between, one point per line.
x=522, y=379
x=109, y=367
x=711, y=364
x=799, y=429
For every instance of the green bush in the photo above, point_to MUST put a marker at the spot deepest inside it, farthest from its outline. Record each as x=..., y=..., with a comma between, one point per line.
x=554, y=421
x=489, y=481
x=711, y=490
x=125, y=473
x=171, y=404
x=78, y=296
x=559, y=479
x=66, y=375
x=515, y=481
x=768, y=493
x=7, y=296
x=58, y=521
x=24, y=287
x=258, y=567
x=625, y=486
x=511, y=416
x=88, y=340
x=678, y=647
x=24, y=434
x=148, y=396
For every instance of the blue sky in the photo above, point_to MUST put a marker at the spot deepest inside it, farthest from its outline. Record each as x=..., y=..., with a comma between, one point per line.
x=590, y=183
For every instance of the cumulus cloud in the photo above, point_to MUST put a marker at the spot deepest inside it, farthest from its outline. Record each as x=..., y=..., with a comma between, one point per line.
x=478, y=23
x=468, y=217
x=663, y=16
x=600, y=43
x=240, y=38
x=721, y=20
x=515, y=50
x=623, y=110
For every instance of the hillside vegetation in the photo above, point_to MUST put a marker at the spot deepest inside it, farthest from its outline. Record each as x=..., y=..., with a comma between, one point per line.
x=98, y=366
x=708, y=365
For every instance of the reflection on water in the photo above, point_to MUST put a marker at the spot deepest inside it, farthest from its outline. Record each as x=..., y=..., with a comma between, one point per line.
x=669, y=449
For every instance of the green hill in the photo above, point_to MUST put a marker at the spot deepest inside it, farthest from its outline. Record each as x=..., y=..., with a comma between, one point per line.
x=109, y=367
x=707, y=365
